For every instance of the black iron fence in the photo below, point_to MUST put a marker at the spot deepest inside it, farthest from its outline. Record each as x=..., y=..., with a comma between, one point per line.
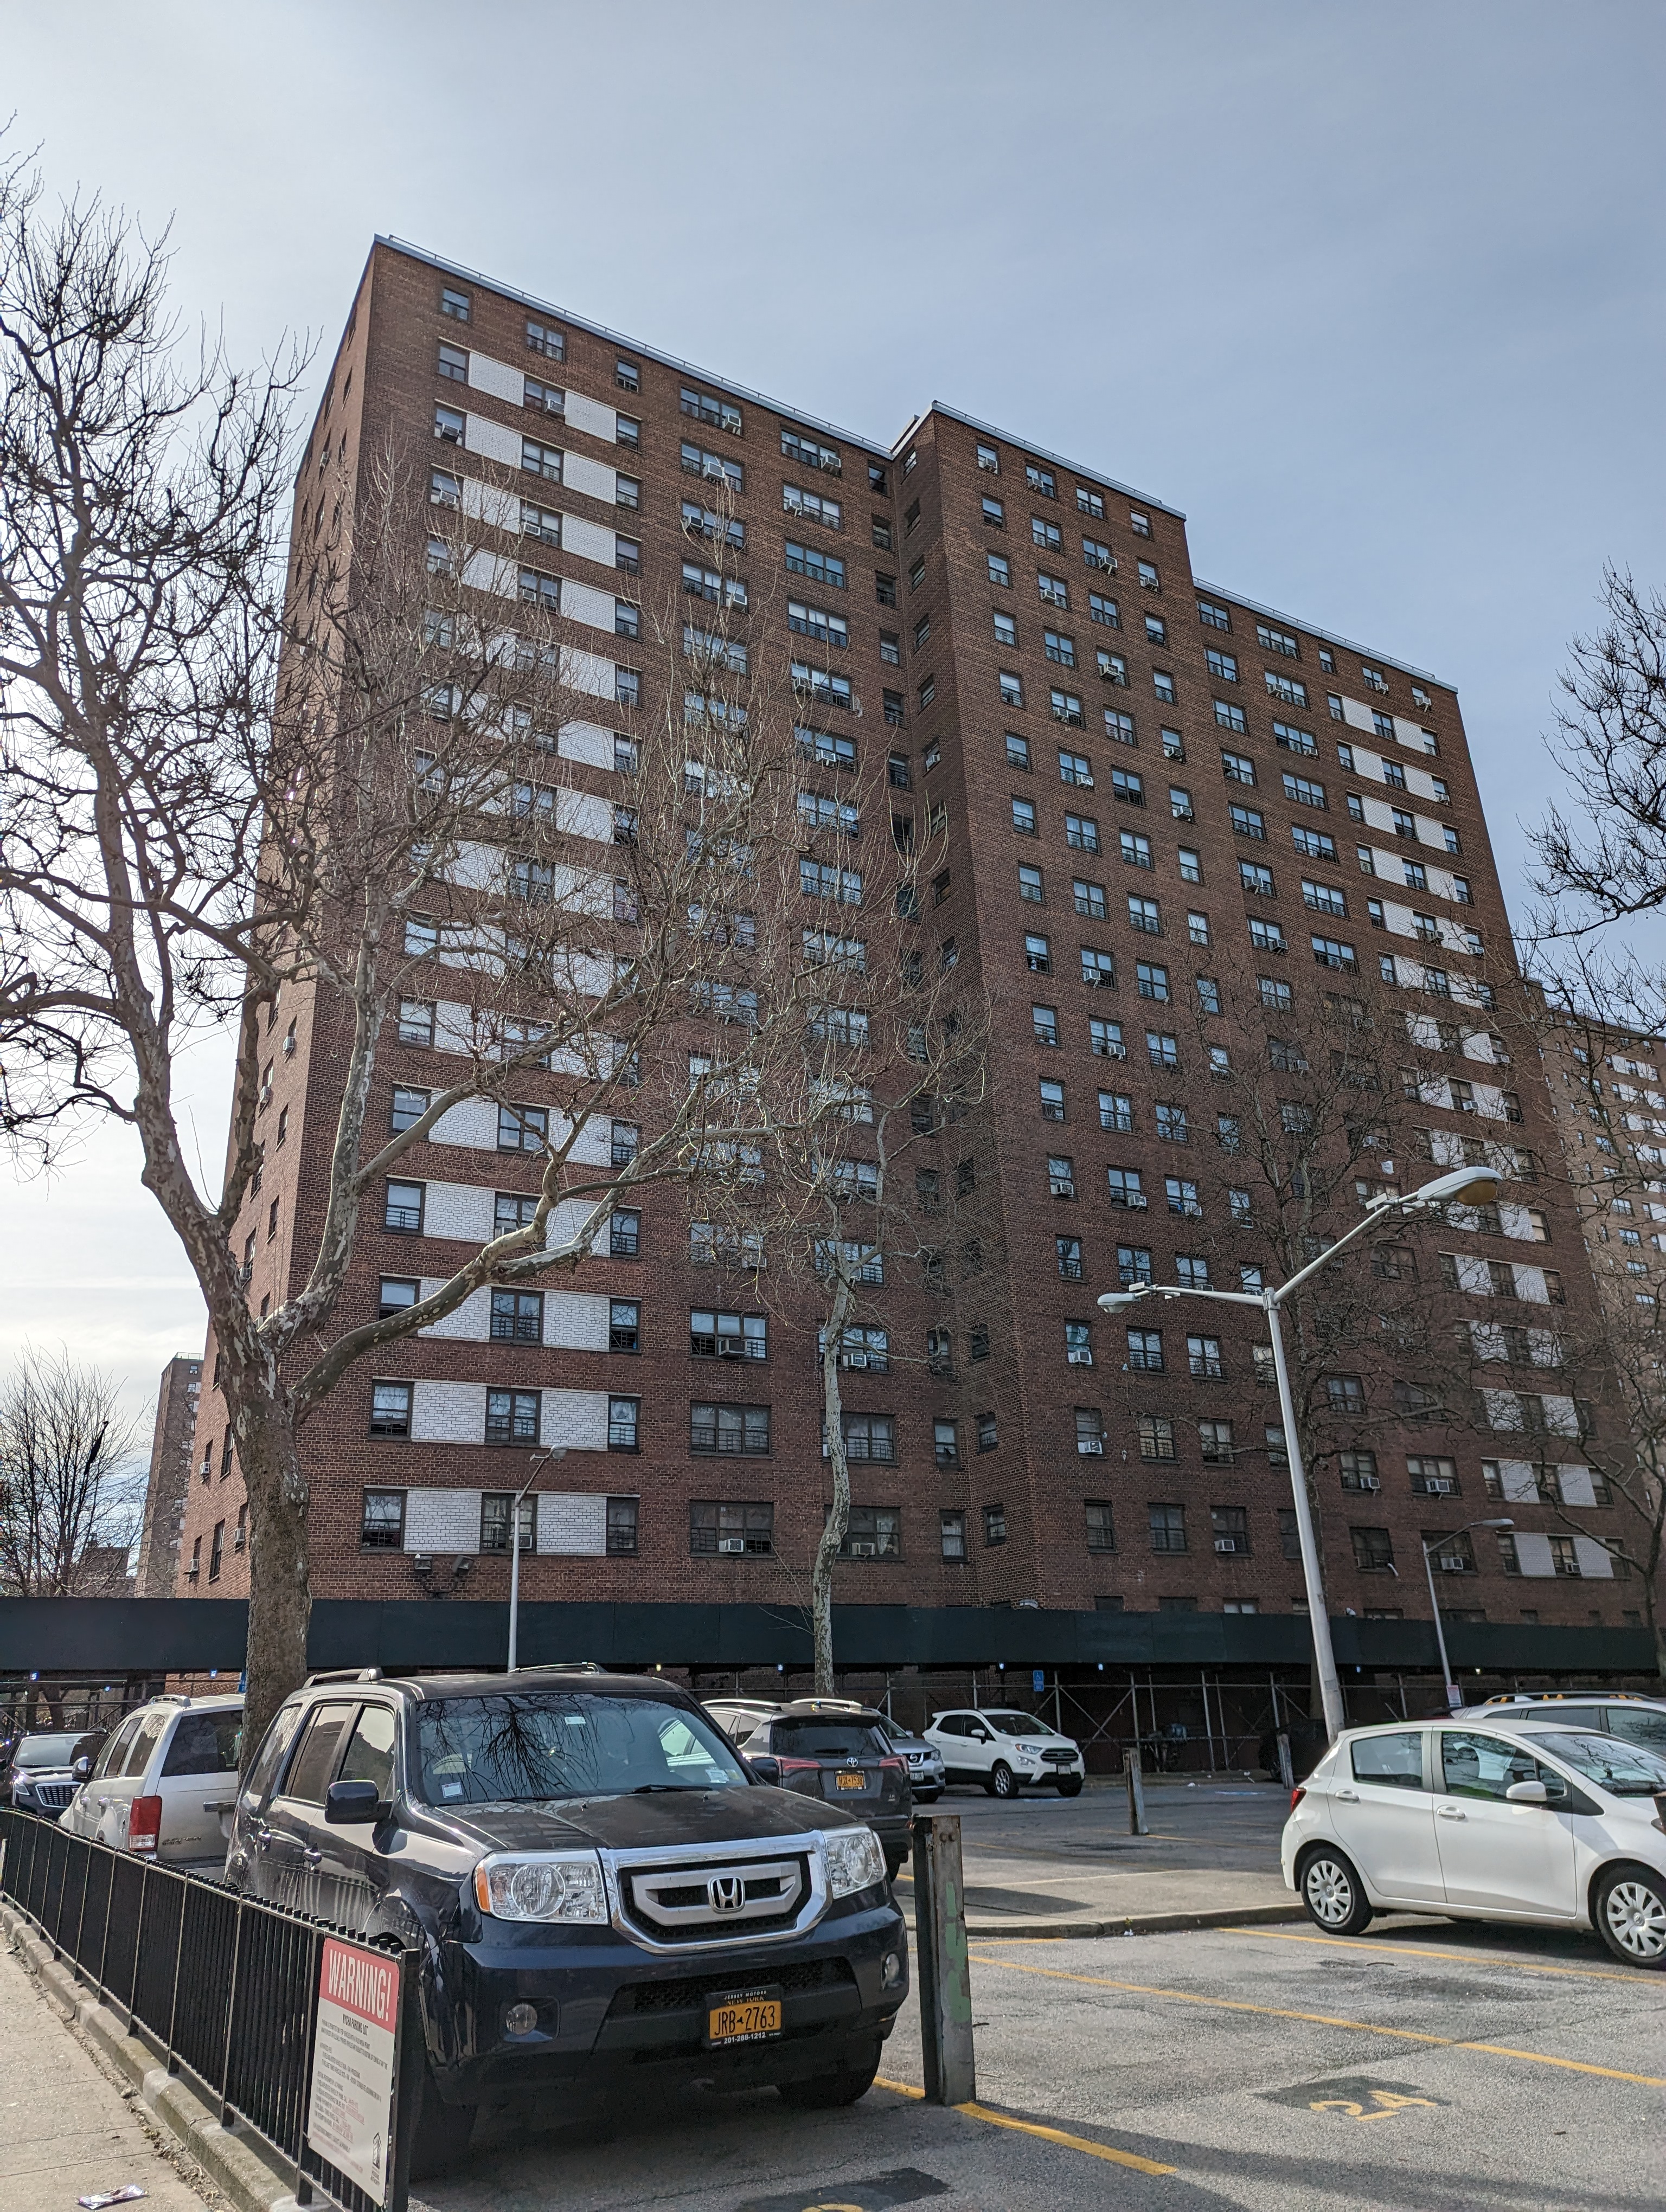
x=226, y=1990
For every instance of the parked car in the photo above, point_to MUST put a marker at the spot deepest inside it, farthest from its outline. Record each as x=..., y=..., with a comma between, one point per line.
x=1637, y=1719
x=165, y=1785
x=1554, y=1826
x=926, y=1775
x=601, y=1892
x=1005, y=1750
x=40, y=1770
x=839, y=1751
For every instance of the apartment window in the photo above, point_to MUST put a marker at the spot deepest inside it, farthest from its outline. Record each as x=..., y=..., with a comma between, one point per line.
x=1433, y=1477
x=382, y=1521
x=994, y=513
x=457, y=305
x=746, y=1529
x=994, y=1525
x=1079, y=1344
x=541, y=460
x=1345, y=1393
x=1256, y=879
x=1005, y=630
x=951, y=1535
x=1061, y=1176
x=1173, y=1127
x=1151, y=980
x=1069, y=1252
x=1267, y=936
x=729, y=1429
x=1098, y=556
x=1044, y=1024
x=1046, y=535
x=402, y=1208
x=546, y=339
x=1144, y=1347
x=1162, y=1050
x=390, y=1409
x=1037, y=955
x=1248, y=821
x=624, y=1234
x=1290, y=691
x=1203, y=1358
x=1373, y=1550
x=1359, y=1470
x=1023, y=817
x=1167, y=1526
x=1059, y=648
x=1098, y=969
x=1134, y=1264
x=517, y=1316
x=1081, y=833
x=1222, y=665
x=1143, y=914
x=1012, y=688
x=1216, y=1439
x=871, y=1437
x=1290, y=740
x=627, y=376
x=1052, y=1101
x=495, y=1523
x=1156, y=1437
x=522, y=1129
x=1230, y=1526
x=1183, y=1196
x=1001, y=571
x=1116, y=1112
x=1030, y=885
x=512, y=1417
x=1324, y=899
x=1119, y=728
x=1303, y=791
x=1105, y=1039
x=396, y=1295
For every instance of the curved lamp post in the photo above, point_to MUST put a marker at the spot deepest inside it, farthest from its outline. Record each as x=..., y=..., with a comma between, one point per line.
x=1453, y=1699
x=543, y=1460
x=1470, y=1185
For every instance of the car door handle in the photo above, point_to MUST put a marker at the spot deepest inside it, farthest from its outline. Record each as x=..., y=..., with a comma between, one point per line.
x=1348, y=1796
x=312, y=1857
x=1452, y=1813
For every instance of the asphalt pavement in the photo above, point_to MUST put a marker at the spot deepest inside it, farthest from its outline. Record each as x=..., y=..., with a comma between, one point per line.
x=1428, y=2065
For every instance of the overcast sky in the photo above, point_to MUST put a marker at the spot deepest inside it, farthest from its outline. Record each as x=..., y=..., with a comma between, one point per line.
x=1374, y=294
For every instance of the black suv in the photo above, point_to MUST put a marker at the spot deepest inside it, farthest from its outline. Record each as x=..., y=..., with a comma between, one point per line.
x=598, y=1887
x=843, y=1756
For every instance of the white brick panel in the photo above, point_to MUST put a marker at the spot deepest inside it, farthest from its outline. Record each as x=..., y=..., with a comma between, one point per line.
x=491, y=572
x=1576, y=1485
x=1560, y=1416
x=1356, y=715
x=494, y=441
x=1594, y=1558
x=454, y=1027
x=1533, y=1553
x=594, y=479
x=471, y=1122
x=575, y=1320
x=476, y=867
x=1503, y=1409
x=1519, y=1481
x=583, y=603
x=1409, y=733
x=470, y=1323
x=587, y=672
x=592, y=417
x=589, y=541
x=1472, y=1275
x=442, y=1520
x=572, y=1524
x=458, y=1209
x=484, y=503
x=576, y=1418
x=583, y=814
x=497, y=379
x=1487, y=1339
x=588, y=742
x=448, y=1413
x=1531, y=1284
x=1517, y=1222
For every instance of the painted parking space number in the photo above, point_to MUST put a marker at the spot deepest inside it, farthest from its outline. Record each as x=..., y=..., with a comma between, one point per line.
x=1384, y=2104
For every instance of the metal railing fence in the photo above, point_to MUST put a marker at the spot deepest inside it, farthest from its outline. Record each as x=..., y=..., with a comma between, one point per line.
x=224, y=1987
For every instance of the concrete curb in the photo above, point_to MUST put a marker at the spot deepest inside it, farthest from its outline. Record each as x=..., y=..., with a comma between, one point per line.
x=1132, y=1923
x=244, y=2175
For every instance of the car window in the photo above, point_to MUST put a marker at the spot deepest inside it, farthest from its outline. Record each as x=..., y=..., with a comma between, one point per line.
x=110, y=1759
x=310, y=1773
x=823, y=1737
x=1484, y=1765
x=949, y=1724
x=513, y=1748
x=1019, y=1724
x=205, y=1743
x=150, y=1735
x=370, y=1755
x=1638, y=1724
x=46, y=1751
x=1395, y=1762
x=279, y=1738
x=1584, y=1716
x=1627, y=1770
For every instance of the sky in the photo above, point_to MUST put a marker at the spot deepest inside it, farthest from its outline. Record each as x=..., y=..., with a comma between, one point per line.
x=1374, y=294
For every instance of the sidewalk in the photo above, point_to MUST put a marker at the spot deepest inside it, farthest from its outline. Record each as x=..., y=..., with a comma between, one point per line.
x=65, y=2128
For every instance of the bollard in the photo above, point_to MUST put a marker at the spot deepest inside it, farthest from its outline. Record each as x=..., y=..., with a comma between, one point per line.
x=1287, y=1771
x=945, y=1981
x=1136, y=1792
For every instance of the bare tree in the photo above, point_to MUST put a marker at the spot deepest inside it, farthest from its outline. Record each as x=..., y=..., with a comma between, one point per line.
x=381, y=815
x=69, y=1494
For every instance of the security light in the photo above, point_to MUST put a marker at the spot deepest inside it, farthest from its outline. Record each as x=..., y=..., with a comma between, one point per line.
x=1463, y=1186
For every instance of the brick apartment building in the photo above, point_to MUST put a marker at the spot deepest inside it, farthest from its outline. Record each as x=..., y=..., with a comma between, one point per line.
x=1173, y=816
x=168, y=1483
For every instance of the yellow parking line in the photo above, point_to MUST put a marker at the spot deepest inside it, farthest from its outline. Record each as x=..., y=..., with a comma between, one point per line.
x=1424, y=1951
x=1320, y=2019
x=1034, y=2128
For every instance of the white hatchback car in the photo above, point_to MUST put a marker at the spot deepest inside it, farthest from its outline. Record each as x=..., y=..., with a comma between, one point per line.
x=1548, y=1825
x=1004, y=1750
x=165, y=1785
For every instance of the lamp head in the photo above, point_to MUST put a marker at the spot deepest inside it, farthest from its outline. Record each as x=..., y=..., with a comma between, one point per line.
x=1462, y=1186
x=1495, y=1524
x=1115, y=1302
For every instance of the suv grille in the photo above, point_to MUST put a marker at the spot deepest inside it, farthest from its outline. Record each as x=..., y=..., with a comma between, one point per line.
x=55, y=1794
x=692, y=1897
x=692, y=1991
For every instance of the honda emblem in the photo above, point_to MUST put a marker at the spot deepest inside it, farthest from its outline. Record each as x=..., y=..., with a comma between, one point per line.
x=726, y=1892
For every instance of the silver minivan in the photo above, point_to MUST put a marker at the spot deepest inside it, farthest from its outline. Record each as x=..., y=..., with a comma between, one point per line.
x=165, y=1785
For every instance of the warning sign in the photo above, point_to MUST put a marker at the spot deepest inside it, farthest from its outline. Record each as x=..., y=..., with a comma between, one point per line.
x=350, y=2113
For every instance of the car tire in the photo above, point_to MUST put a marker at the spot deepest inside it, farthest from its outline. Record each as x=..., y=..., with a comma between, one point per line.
x=442, y=2132
x=1333, y=1896
x=1002, y=1782
x=1629, y=1910
x=1070, y=1786
x=825, y=2092
x=927, y=1796
x=896, y=1860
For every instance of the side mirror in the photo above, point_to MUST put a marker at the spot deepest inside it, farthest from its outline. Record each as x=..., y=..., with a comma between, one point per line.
x=350, y=1803
x=82, y=1769
x=1527, y=1793
x=766, y=1769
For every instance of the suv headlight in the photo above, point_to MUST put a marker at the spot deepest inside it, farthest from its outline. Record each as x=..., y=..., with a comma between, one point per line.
x=1032, y=1750
x=562, y=1885
x=854, y=1860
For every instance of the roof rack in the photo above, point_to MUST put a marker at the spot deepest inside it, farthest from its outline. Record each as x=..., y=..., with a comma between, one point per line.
x=563, y=1666
x=344, y=1675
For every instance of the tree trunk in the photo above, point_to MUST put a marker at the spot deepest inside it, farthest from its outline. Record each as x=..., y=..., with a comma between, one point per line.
x=838, y=1521
x=280, y=1586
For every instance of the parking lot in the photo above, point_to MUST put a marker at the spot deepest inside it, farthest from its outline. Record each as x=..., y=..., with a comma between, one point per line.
x=1427, y=2065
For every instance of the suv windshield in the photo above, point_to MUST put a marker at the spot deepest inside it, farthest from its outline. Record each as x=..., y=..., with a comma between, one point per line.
x=542, y=1744
x=1624, y=1769
x=827, y=1738
x=1018, y=1724
x=51, y=1750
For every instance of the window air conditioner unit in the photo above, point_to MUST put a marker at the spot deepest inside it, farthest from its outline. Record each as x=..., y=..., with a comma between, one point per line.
x=732, y=1543
x=863, y=1551
x=1438, y=1485
x=1079, y=1359
x=1092, y=1447
x=288, y=1047
x=1226, y=1543
x=1370, y=1482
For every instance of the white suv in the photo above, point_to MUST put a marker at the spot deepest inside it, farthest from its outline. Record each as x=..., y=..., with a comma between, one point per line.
x=1547, y=1826
x=165, y=1785
x=1004, y=1750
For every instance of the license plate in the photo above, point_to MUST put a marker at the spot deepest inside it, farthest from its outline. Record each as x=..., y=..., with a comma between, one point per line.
x=851, y=1782
x=743, y=2016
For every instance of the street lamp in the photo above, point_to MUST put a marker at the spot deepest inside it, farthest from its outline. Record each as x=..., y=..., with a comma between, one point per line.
x=1471, y=1186
x=542, y=1460
x=1453, y=1700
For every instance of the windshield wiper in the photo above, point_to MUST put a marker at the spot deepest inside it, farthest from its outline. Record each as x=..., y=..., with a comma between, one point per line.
x=650, y=1789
